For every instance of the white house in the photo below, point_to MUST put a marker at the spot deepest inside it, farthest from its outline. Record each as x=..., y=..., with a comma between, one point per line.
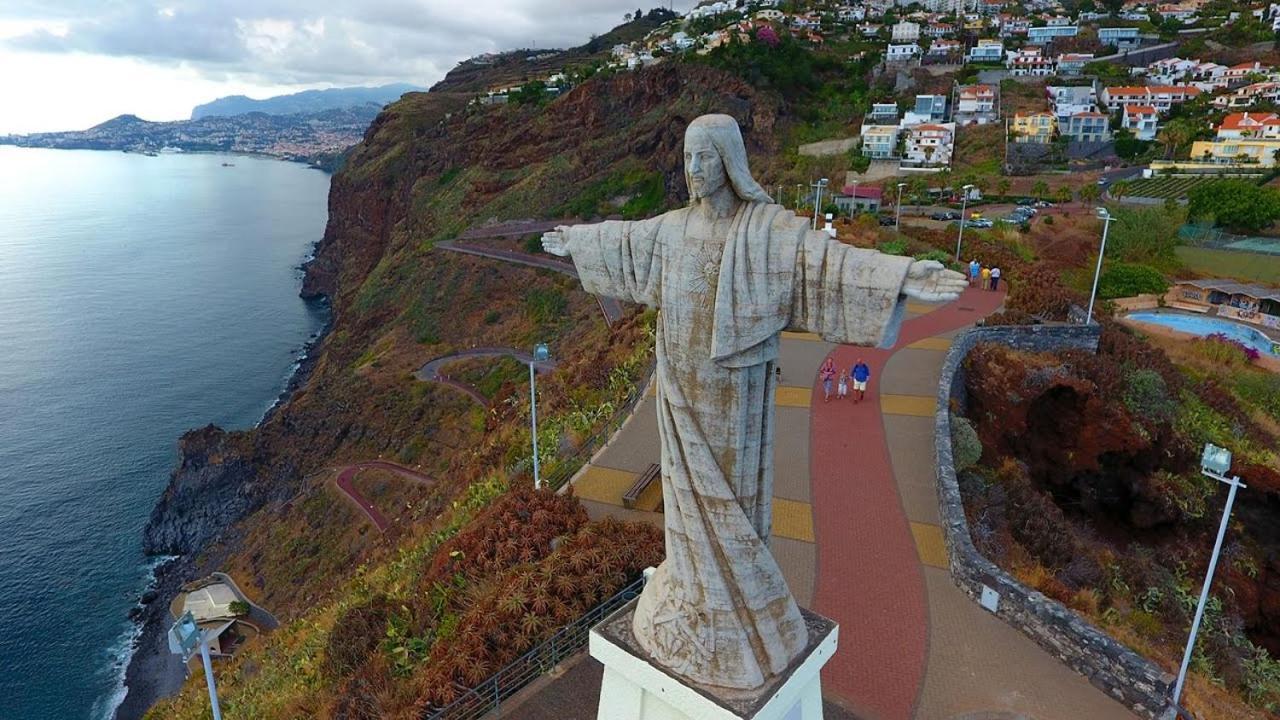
x=1249, y=95
x=1123, y=38
x=1071, y=64
x=879, y=141
x=901, y=53
x=1238, y=126
x=905, y=32
x=1029, y=62
x=1048, y=32
x=976, y=104
x=1142, y=120
x=770, y=14
x=716, y=8
x=1068, y=101
x=1161, y=97
x=930, y=144
x=987, y=50
x=943, y=47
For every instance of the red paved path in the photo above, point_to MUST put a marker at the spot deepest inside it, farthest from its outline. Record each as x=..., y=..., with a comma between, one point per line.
x=869, y=575
x=348, y=473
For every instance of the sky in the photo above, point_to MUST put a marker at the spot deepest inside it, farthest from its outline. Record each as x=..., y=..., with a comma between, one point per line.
x=70, y=64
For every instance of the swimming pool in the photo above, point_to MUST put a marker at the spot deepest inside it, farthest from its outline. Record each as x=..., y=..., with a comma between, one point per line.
x=1202, y=326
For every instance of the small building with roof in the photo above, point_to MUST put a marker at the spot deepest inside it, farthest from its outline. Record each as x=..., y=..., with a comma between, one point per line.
x=1256, y=304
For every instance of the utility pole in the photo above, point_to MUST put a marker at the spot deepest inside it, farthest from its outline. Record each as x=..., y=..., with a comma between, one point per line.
x=1106, y=225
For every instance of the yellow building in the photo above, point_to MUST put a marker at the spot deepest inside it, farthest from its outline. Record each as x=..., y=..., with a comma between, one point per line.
x=1037, y=127
x=1250, y=152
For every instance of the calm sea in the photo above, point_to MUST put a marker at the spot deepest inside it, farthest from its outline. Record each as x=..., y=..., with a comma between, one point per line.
x=139, y=297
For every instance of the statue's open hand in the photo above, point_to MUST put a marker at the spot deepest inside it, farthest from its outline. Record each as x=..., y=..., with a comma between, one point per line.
x=930, y=281
x=555, y=242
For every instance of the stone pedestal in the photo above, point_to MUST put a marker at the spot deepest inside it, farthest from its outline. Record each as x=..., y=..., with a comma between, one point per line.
x=636, y=689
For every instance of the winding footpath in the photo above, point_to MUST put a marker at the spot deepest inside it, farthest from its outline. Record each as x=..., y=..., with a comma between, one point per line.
x=348, y=473
x=609, y=307
x=430, y=372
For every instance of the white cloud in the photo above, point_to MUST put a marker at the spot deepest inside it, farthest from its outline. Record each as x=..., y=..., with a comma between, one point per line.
x=158, y=59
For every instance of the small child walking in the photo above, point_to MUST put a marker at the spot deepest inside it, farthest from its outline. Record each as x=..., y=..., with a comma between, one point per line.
x=842, y=387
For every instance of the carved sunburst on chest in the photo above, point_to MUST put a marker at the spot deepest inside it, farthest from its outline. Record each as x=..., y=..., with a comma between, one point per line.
x=705, y=270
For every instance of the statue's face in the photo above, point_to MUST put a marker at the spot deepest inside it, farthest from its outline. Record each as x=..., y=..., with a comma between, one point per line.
x=702, y=163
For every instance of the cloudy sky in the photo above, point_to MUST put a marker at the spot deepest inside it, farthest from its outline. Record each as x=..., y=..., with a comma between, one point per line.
x=69, y=64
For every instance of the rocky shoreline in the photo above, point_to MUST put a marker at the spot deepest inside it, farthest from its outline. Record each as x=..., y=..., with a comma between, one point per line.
x=213, y=487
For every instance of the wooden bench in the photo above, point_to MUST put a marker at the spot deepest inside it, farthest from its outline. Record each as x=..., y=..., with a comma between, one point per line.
x=642, y=483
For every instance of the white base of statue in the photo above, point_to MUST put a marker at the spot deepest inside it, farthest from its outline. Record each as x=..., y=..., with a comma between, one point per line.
x=634, y=688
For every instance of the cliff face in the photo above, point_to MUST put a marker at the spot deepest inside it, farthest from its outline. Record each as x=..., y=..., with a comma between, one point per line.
x=212, y=487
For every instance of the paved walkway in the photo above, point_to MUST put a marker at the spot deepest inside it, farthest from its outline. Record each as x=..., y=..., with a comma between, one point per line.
x=857, y=534
x=347, y=474
x=430, y=372
x=609, y=307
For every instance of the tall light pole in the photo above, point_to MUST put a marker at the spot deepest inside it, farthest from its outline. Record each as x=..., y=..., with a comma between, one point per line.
x=817, y=199
x=540, y=354
x=964, y=204
x=854, y=204
x=184, y=636
x=1214, y=463
x=1106, y=225
x=897, y=218
x=799, y=187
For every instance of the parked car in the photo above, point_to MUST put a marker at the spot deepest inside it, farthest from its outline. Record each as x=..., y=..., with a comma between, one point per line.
x=1044, y=204
x=979, y=223
x=1026, y=201
x=886, y=220
x=945, y=215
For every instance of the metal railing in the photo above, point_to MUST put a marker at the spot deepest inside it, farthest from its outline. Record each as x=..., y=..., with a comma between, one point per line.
x=489, y=695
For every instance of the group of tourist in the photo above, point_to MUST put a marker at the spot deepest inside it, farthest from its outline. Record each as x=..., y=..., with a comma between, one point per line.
x=859, y=374
x=987, y=278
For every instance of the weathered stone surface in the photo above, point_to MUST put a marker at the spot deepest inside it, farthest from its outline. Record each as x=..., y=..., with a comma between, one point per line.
x=1130, y=678
x=730, y=273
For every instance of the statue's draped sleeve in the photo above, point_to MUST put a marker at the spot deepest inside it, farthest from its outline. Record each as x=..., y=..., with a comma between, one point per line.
x=847, y=294
x=620, y=259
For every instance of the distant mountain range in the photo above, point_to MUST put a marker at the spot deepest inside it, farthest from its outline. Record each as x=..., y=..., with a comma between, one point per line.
x=308, y=101
x=315, y=126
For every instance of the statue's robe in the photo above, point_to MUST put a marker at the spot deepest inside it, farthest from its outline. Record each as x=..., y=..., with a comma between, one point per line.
x=718, y=610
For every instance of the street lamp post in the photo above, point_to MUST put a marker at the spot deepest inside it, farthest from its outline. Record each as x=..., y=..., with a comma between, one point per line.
x=1106, y=225
x=1214, y=463
x=799, y=187
x=854, y=211
x=540, y=354
x=817, y=199
x=184, y=636
x=897, y=219
x=964, y=204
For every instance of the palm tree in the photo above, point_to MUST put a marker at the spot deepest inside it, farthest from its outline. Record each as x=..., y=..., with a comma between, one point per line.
x=1040, y=189
x=1064, y=194
x=1174, y=135
x=1089, y=193
x=1002, y=186
x=1119, y=189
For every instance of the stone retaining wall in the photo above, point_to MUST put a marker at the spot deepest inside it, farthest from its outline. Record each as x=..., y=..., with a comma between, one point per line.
x=1130, y=678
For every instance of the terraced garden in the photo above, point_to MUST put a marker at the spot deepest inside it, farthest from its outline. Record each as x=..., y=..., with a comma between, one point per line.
x=1167, y=187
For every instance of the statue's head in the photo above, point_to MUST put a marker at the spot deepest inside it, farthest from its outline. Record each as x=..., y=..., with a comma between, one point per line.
x=714, y=154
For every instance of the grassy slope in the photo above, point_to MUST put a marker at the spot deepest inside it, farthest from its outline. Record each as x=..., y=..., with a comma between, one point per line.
x=1251, y=267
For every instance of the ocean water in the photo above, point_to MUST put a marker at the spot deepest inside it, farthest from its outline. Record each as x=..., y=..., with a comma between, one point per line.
x=139, y=297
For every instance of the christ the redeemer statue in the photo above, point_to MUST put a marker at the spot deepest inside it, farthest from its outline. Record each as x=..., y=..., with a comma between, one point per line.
x=729, y=273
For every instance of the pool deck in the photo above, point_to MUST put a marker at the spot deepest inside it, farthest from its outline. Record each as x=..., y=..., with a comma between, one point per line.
x=1267, y=362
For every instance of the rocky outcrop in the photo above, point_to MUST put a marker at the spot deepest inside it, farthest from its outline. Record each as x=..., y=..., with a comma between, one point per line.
x=211, y=489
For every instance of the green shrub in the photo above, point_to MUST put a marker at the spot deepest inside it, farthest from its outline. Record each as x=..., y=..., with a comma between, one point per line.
x=491, y=317
x=1048, y=220
x=1235, y=203
x=895, y=246
x=941, y=256
x=533, y=244
x=1147, y=396
x=966, y=448
x=1129, y=279
x=1221, y=352
x=1260, y=390
x=238, y=608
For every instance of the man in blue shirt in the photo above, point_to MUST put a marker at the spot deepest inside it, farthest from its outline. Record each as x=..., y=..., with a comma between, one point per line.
x=975, y=269
x=861, y=374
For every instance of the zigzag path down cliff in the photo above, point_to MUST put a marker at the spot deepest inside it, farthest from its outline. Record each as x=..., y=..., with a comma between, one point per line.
x=348, y=473
x=430, y=372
